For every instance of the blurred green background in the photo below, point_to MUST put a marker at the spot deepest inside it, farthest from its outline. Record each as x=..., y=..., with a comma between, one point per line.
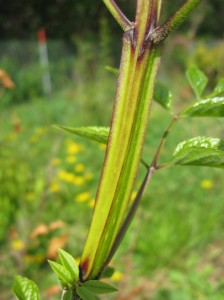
x=48, y=178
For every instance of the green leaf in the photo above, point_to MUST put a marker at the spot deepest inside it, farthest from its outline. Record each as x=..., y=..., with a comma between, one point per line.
x=85, y=294
x=61, y=272
x=219, y=88
x=112, y=70
x=95, y=133
x=25, y=289
x=69, y=263
x=162, y=95
x=99, y=287
x=200, y=151
x=108, y=272
x=211, y=107
x=197, y=79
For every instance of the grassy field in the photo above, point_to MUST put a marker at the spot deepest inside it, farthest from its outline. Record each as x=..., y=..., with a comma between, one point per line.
x=48, y=179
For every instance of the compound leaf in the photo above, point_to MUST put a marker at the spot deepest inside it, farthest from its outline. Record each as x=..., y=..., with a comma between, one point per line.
x=200, y=151
x=219, y=88
x=162, y=95
x=197, y=79
x=108, y=272
x=210, y=107
x=69, y=263
x=95, y=133
x=63, y=274
x=99, y=287
x=85, y=294
x=25, y=289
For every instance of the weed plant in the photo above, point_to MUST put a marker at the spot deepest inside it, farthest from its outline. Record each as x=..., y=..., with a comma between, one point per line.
x=176, y=227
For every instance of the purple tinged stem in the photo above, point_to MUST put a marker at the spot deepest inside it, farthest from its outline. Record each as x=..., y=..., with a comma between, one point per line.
x=162, y=32
x=119, y=16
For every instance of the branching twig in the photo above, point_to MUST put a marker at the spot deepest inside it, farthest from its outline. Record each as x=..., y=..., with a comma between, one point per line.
x=161, y=33
x=122, y=20
x=150, y=172
x=162, y=142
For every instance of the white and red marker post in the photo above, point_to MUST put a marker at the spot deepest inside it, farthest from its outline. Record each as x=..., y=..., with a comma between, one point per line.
x=44, y=61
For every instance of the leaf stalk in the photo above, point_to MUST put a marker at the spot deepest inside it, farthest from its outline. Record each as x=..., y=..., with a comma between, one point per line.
x=162, y=32
x=118, y=15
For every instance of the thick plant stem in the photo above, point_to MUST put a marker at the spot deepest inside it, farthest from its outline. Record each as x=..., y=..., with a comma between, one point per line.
x=139, y=64
x=134, y=153
x=129, y=217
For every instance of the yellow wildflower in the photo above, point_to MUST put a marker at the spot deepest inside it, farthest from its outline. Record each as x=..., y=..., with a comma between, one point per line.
x=78, y=180
x=73, y=148
x=71, y=159
x=62, y=174
x=79, y=168
x=117, y=276
x=82, y=197
x=207, y=184
x=54, y=187
x=17, y=245
x=70, y=177
x=66, y=176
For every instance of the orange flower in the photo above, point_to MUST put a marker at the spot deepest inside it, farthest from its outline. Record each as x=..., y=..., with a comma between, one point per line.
x=55, y=289
x=6, y=80
x=56, y=225
x=41, y=229
x=54, y=244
